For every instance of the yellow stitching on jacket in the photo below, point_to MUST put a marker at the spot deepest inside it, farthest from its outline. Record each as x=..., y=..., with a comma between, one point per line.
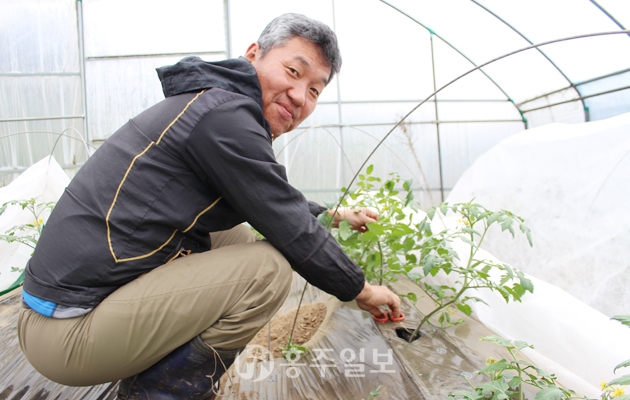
x=180, y=114
x=201, y=213
x=181, y=253
x=109, y=212
x=151, y=253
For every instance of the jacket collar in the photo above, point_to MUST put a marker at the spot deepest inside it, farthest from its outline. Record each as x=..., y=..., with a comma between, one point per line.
x=191, y=74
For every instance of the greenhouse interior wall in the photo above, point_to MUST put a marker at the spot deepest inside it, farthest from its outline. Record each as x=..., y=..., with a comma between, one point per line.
x=427, y=87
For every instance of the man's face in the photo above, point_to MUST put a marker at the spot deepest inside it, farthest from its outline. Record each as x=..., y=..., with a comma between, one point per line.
x=292, y=77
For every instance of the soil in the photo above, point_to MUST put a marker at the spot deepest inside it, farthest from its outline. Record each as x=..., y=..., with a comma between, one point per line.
x=309, y=319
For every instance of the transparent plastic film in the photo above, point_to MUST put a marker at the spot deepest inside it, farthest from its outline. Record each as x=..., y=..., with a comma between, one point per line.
x=348, y=358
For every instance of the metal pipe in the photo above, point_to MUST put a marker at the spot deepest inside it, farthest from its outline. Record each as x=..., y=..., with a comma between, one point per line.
x=539, y=50
x=342, y=165
x=577, y=84
x=41, y=118
x=415, y=101
x=416, y=189
x=437, y=123
x=608, y=15
x=623, y=71
x=202, y=53
x=22, y=169
x=378, y=145
x=477, y=67
x=81, y=43
x=410, y=123
x=581, y=98
x=228, y=37
x=28, y=74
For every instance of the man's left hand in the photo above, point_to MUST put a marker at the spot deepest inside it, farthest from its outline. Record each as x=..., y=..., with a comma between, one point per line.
x=357, y=217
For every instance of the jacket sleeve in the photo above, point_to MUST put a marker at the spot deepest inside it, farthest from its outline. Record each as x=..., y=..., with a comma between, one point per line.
x=231, y=151
x=315, y=209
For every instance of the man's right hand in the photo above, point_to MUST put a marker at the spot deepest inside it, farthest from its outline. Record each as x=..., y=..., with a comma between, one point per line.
x=371, y=297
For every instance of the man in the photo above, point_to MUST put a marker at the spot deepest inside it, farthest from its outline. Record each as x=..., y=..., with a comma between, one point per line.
x=145, y=273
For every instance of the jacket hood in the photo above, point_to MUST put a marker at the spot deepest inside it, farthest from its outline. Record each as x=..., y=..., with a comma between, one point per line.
x=192, y=73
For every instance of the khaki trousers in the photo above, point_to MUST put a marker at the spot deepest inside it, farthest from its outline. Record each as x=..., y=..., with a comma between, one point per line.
x=226, y=295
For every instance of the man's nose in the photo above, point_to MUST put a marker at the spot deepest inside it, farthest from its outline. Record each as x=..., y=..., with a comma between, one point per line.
x=297, y=94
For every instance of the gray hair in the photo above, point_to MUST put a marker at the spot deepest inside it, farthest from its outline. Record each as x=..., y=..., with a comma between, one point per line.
x=287, y=26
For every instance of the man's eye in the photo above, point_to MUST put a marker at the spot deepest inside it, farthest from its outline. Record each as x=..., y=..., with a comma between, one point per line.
x=293, y=71
x=315, y=92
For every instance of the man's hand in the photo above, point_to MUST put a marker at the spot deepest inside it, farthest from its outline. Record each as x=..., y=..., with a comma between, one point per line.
x=371, y=297
x=357, y=217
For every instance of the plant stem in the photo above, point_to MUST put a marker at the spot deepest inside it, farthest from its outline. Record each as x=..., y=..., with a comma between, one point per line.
x=296, y=313
x=442, y=306
x=380, y=250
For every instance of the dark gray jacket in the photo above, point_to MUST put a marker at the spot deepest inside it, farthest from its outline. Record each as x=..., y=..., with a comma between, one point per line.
x=199, y=161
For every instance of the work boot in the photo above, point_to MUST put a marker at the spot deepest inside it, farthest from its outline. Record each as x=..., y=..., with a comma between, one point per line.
x=189, y=372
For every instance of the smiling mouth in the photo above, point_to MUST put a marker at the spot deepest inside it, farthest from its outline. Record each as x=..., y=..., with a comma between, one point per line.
x=286, y=112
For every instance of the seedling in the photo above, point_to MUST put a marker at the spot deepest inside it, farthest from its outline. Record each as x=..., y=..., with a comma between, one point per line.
x=292, y=351
x=507, y=377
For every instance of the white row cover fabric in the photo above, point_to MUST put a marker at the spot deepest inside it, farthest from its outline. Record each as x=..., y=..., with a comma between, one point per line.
x=570, y=183
x=45, y=181
x=572, y=340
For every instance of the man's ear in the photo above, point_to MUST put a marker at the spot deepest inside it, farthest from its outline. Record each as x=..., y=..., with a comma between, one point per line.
x=252, y=52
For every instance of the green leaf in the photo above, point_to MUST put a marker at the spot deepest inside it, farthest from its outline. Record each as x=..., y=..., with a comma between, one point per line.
x=493, y=218
x=470, y=242
x=412, y=296
x=520, y=345
x=345, y=230
x=497, y=366
x=375, y=227
x=550, y=393
x=325, y=219
x=515, y=381
x=499, y=389
x=525, y=282
x=431, y=213
x=444, y=208
x=624, y=319
x=18, y=282
x=527, y=233
x=497, y=340
x=507, y=224
x=466, y=395
x=622, y=365
x=408, y=244
x=408, y=198
x=370, y=168
x=624, y=380
x=465, y=308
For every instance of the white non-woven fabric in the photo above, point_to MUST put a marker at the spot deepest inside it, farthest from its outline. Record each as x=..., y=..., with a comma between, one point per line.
x=45, y=181
x=570, y=183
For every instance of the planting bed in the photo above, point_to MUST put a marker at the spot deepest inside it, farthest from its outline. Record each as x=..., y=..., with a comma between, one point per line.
x=350, y=357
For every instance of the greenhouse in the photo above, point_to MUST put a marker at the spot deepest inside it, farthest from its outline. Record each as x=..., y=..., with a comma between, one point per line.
x=490, y=137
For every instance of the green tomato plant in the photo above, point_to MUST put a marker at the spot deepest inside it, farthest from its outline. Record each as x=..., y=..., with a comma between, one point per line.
x=293, y=351
x=614, y=389
x=508, y=377
x=437, y=254
x=387, y=245
x=26, y=234
x=397, y=245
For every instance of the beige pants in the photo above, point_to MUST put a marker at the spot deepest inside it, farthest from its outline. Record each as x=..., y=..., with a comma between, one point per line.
x=225, y=295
